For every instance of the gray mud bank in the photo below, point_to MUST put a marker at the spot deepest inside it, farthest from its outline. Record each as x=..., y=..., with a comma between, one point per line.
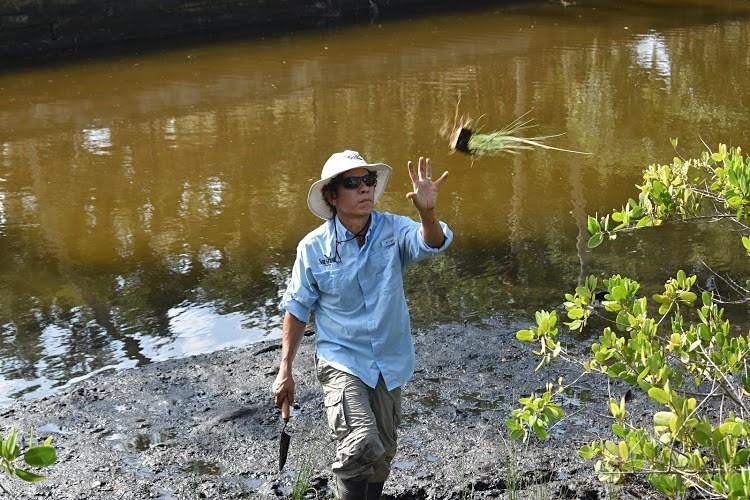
x=43, y=29
x=205, y=427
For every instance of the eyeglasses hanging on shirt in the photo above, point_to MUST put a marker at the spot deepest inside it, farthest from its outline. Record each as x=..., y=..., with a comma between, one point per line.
x=360, y=237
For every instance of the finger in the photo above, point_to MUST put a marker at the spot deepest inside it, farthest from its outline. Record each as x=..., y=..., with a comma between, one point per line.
x=287, y=399
x=421, y=169
x=282, y=396
x=428, y=168
x=412, y=174
x=413, y=198
x=441, y=178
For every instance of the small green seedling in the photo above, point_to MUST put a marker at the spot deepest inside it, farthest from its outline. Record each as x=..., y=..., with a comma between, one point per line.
x=35, y=455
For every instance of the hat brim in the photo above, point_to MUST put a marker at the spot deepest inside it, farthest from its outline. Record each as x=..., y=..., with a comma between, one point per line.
x=317, y=204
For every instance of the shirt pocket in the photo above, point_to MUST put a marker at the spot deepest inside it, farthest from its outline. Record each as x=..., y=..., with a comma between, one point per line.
x=329, y=280
x=339, y=291
x=384, y=258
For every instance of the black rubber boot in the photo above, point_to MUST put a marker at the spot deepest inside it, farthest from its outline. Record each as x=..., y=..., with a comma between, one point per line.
x=374, y=491
x=351, y=489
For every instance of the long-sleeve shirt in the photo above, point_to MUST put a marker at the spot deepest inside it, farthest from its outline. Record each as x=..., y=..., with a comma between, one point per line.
x=361, y=317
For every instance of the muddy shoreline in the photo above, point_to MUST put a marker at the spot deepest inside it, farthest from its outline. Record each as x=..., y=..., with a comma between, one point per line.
x=205, y=427
x=38, y=31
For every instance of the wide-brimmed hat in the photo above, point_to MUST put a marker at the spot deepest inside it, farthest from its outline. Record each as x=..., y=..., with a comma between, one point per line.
x=337, y=164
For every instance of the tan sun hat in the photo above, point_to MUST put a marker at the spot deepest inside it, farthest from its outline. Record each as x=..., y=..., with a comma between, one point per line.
x=337, y=164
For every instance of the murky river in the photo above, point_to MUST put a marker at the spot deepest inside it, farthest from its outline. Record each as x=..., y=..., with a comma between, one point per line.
x=150, y=204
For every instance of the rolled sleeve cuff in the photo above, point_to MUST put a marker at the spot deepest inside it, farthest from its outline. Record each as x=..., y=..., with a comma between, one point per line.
x=297, y=310
x=433, y=250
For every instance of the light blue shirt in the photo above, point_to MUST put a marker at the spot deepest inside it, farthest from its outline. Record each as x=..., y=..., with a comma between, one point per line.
x=361, y=319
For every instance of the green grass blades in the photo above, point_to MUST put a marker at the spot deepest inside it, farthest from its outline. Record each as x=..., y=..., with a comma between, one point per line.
x=505, y=140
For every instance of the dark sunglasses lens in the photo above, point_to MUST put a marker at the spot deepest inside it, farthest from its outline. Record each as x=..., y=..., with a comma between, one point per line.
x=354, y=182
x=370, y=179
x=350, y=182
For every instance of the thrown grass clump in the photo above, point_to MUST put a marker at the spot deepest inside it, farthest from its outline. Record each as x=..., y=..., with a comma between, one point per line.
x=471, y=141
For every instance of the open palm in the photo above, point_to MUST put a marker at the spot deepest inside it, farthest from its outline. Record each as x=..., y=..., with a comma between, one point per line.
x=424, y=189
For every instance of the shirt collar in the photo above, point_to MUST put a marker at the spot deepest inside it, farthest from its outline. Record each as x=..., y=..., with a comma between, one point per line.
x=344, y=233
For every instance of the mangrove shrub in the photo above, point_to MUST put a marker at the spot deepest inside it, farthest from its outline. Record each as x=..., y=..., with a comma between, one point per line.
x=676, y=346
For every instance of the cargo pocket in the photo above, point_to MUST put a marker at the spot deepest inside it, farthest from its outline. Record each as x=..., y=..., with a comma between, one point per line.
x=335, y=413
x=398, y=414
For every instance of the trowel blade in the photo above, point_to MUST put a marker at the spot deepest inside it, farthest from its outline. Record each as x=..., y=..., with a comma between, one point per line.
x=283, y=445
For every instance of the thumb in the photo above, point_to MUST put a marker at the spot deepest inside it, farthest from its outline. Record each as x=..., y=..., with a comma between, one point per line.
x=411, y=195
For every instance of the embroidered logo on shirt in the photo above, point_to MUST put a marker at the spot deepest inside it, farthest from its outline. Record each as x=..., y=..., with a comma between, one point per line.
x=327, y=261
x=388, y=242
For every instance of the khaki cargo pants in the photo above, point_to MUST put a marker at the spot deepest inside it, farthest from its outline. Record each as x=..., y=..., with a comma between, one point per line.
x=364, y=421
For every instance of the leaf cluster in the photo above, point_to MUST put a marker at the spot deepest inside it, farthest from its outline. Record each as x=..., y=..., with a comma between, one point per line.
x=35, y=455
x=715, y=185
x=676, y=346
x=535, y=414
x=669, y=358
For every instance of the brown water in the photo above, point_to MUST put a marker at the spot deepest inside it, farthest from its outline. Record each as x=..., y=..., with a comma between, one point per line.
x=150, y=205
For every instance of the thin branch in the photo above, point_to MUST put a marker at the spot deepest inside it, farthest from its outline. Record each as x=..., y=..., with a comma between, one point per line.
x=666, y=313
x=706, y=193
x=699, y=394
x=732, y=302
x=729, y=281
x=566, y=416
x=583, y=374
x=724, y=382
x=708, y=148
x=736, y=287
x=698, y=406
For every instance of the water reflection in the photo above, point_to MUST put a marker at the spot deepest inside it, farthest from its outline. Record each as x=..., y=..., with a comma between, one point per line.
x=198, y=329
x=97, y=140
x=160, y=219
x=652, y=54
x=3, y=217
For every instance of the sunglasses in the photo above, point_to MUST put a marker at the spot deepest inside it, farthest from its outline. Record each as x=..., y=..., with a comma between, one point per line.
x=354, y=181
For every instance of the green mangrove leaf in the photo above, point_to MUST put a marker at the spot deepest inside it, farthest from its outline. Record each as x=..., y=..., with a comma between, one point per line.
x=588, y=452
x=575, y=325
x=614, y=408
x=659, y=395
x=40, y=456
x=28, y=476
x=622, y=449
x=595, y=240
x=645, y=221
x=742, y=457
x=664, y=419
x=575, y=313
x=618, y=429
x=593, y=225
x=525, y=336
